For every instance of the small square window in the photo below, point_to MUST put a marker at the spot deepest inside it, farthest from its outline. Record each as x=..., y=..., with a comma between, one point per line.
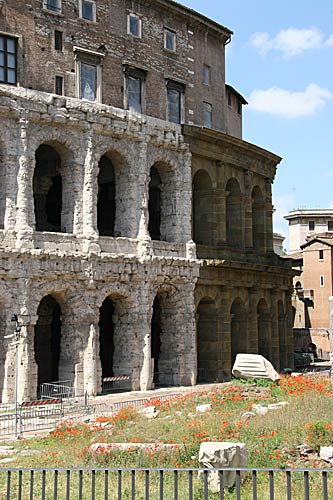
x=330, y=225
x=88, y=10
x=311, y=225
x=206, y=75
x=321, y=254
x=207, y=115
x=322, y=283
x=59, y=85
x=169, y=40
x=53, y=5
x=134, y=25
x=58, y=40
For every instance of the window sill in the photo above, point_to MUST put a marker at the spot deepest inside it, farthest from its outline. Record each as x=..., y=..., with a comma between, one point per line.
x=88, y=21
x=52, y=12
x=169, y=51
x=135, y=37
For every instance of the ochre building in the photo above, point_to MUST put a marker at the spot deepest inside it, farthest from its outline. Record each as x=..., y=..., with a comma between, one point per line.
x=136, y=224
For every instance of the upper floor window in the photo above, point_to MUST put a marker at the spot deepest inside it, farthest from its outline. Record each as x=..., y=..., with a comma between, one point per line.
x=88, y=74
x=8, y=61
x=207, y=115
x=229, y=98
x=169, y=40
x=175, y=95
x=321, y=254
x=59, y=85
x=134, y=85
x=58, y=40
x=134, y=25
x=330, y=225
x=239, y=107
x=53, y=5
x=322, y=280
x=87, y=10
x=311, y=225
x=206, y=75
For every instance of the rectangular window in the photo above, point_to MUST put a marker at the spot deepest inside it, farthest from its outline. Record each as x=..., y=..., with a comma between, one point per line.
x=87, y=9
x=134, y=25
x=239, y=107
x=59, y=85
x=206, y=75
x=88, y=82
x=169, y=40
x=229, y=98
x=321, y=280
x=321, y=254
x=8, y=60
x=58, y=40
x=175, y=96
x=207, y=115
x=52, y=5
x=311, y=225
x=134, y=96
x=330, y=225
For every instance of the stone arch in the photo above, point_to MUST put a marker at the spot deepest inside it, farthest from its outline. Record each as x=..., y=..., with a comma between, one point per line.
x=106, y=201
x=113, y=335
x=202, y=208
x=234, y=214
x=53, y=188
x=164, y=349
x=207, y=341
x=47, y=340
x=162, y=206
x=264, y=328
x=238, y=321
x=113, y=193
x=258, y=219
x=282, y=328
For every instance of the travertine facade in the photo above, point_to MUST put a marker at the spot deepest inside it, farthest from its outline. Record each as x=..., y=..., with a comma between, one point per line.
x=105, y=208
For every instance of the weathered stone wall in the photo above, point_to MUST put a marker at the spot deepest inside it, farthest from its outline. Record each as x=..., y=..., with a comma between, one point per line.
x=199, y=41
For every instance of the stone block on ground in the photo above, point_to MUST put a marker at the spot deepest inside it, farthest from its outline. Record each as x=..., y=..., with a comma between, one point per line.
x=254, y=366
x=217, y=455
x=326, y=453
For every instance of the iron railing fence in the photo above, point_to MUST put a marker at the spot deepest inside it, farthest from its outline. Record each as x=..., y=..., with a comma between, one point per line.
x=46, y=414
x=61, y=389
x=165, y=484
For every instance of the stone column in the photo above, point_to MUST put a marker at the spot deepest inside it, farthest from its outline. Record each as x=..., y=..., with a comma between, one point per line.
x=289, y=330
x=269, y=216
x=248, y=237
x=140, y=218
x=25, y=200
x=90, y=193
x=71, y=217
x=71, y=361
x=219, y=203
x=224, y=328
x=183, y=199
x=9, y=180
x=275, y=340
x=92, y=369
x=186, y=334
x=252, y=322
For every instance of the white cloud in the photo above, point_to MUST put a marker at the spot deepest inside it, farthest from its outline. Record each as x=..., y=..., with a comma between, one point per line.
x=289, y=104
x=291, y=41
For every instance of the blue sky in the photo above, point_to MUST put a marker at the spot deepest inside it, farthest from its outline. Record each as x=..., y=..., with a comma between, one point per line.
x=281, y=59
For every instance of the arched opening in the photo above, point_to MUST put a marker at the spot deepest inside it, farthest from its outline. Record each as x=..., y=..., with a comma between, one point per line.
x=106, y=203
x=48, y=340
x=202, y=209
x=156, y=337
x=234, y=214
x=282, y=334
x=207, y=341
x=264, y=329
x=154, y=204
x=258, y=219
x=47, y=187
x=238, y=329
x=106, y=337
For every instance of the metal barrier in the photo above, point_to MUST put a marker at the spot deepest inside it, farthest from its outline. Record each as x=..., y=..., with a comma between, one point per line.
x=60, y=389
x=119, y=383
x=165, y=484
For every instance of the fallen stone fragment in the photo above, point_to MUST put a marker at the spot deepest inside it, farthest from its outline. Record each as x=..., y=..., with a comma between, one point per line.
x=304, y=449
x=149, y=412
x=260, y=410
x=216, y=455
x=326, y=453
x=203, y=408
x=254, y=366
x=6, y=460
x=7, y=450
x=277, y=406
x=248, y=415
